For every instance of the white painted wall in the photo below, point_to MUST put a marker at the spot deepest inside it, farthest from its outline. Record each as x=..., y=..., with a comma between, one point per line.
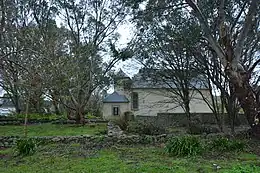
x=153, y=101
x=108, y=109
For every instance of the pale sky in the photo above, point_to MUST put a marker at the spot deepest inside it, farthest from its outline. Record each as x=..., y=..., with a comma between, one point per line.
x=131, y=66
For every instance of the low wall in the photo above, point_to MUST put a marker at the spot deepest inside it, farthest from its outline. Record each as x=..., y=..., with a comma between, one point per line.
x=90, y=140
x=13, y=121
x=180, y=119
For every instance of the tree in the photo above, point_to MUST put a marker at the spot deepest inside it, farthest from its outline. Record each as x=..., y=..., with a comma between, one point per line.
x=231, y=30
x=229, y=49
x=92, y=26
x=62, y=63
x=11, y=48
x=165, y=53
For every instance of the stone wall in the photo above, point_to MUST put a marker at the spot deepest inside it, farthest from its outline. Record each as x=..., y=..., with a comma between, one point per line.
x=14, y=121
x=90, y=140
x=179, y=119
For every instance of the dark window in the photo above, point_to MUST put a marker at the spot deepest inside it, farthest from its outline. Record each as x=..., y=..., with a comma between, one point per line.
x=135, y=100
x=115, y=110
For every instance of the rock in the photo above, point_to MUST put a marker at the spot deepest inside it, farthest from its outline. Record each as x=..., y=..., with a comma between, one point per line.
x=55, y=139
x=113, y=130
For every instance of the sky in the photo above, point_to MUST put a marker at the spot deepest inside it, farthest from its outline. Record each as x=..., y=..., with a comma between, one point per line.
x=131, y=66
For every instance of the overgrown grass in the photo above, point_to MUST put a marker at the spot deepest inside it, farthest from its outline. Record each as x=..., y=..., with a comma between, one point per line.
x=120, y=159
x=51, y=129
x=184, y=146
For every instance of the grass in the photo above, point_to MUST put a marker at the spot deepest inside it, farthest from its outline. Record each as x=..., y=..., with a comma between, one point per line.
x=120, y=159
x=51, y=130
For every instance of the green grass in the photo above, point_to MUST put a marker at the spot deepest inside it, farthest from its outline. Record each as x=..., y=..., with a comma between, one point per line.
x=136, y=159
x=51, y=130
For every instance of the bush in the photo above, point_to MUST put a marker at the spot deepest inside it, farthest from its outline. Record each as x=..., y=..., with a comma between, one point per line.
x=184, y=146
x=26, y=146
x=224, y=144
x=121, y=122
x=142, y=128
x=129, y=116
x=90, y=116
x=195, y=129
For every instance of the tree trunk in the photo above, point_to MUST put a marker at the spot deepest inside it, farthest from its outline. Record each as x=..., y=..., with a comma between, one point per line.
x=17, y=104
x=187, y=111
x=219, y=120
x=56, y=109
x=56, y=106
x=16, y=97
x=70, y=115
x=55, y=101
x=246, y=97
x=80, y=119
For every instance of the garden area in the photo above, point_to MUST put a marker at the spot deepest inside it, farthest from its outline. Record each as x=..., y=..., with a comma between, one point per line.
x=141, y=147
x=76, y=157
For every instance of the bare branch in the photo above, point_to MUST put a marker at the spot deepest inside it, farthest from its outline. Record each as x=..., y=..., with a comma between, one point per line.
x=247, y=25
x=251, y=69
x=238, y=16
x=207, y=31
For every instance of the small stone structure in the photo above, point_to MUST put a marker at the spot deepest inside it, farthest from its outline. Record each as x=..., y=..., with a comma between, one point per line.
x=113, y=129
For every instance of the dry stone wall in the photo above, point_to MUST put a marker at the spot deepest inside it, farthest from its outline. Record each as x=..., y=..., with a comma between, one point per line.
x=179, y=119
x=89, y=140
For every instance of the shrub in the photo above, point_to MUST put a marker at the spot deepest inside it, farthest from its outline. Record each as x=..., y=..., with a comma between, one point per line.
x=195, y=129
x=142, y=128
x=26, y=146
x=129, y=116
x=90, y=116
x=224, y=144
x=121, y=122
x=184, y=146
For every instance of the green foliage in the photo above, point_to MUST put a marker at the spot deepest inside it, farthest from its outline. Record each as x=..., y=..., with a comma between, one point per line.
x=26, y=146
x=67, y=158
x=147, y=139
x=143, y=128
x=244, y=169
x=195, y=129
x=224, y=144
x=129, y=116
x=90, y=116
x=102, y=132
x=184, y=146
x=39, y=116
x=121, y=122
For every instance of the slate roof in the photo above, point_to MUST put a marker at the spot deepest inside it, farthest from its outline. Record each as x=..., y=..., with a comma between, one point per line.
x=142, y=80
x=115, y=98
